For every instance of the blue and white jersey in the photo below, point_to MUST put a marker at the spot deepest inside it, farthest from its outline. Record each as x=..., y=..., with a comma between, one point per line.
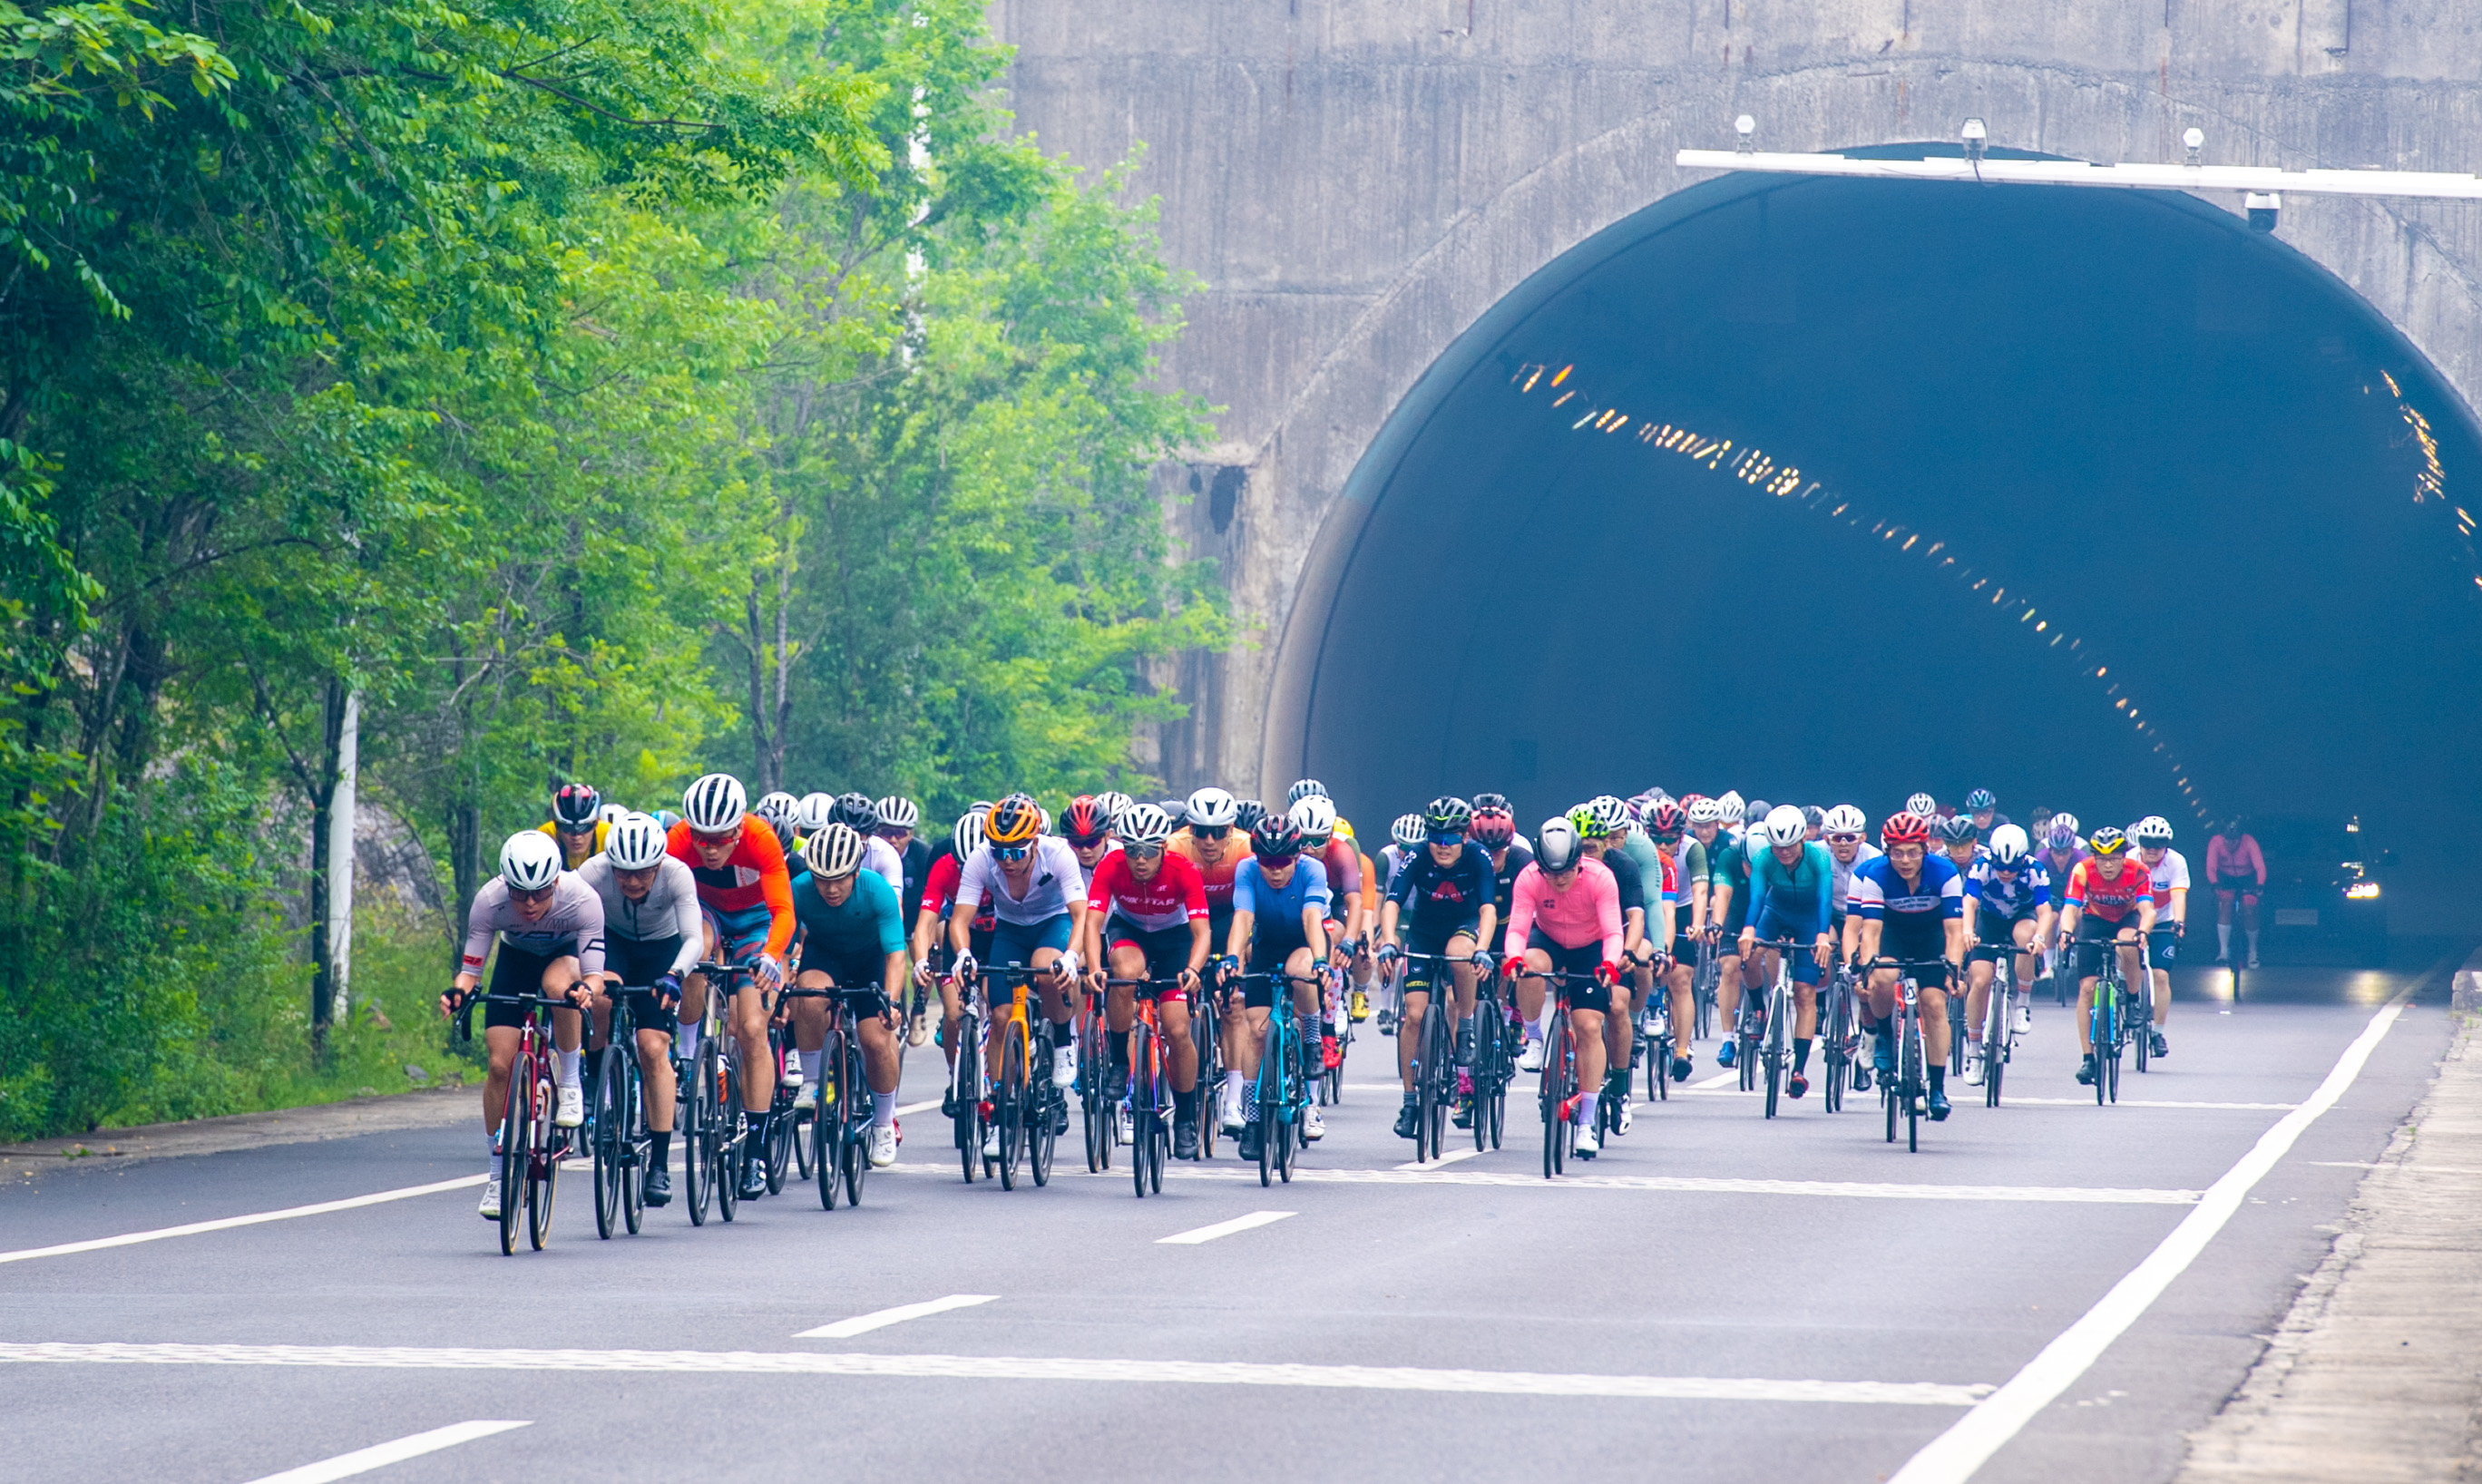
x=1879, y=893
x=2007, y=899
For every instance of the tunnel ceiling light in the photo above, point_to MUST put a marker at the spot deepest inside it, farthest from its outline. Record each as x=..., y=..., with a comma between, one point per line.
x=1746, y=127
x=2263, y=179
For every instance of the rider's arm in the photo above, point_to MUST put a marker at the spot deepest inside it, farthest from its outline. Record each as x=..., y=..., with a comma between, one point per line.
x=1525, y=895
x=1606, y=891
x=1387, y=922
x=1314, y=927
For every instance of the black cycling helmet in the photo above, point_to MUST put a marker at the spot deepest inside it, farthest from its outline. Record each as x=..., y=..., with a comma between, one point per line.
x=1275, y=837
x=1447, y=814
x=1246, y=816
x=856, y=811
x=1979, y=799
x=575, y=805
x=1491, y=803
x=1957, y=828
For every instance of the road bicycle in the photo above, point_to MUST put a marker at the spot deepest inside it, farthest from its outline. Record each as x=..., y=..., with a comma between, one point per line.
x=1498, y=1036
x=617, y=1122
x=836, y=1142
x=1021, y=1104
x=1654, y=1035
x=1774, y=1053
x=1904, y=1095
x=1839, y=1034
x=1151, y=1096
x=964, y=1098
x=1705, y=983
x=1435, y=1084
x=2109, y=1023
x=1278, y=1091
x=1097, y=1101
x=722, y=1144
x=1557, y=1095
x=1999, y=1025
x=531, y=1144
x=1333, y=1001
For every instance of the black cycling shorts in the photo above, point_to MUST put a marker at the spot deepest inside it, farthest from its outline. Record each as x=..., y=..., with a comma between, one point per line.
x=1423, y=940
x=1999, y=939
x=1166, y=949
x=1584, y=994
x=2094, y=938
x=861, y=981
x=515, y=971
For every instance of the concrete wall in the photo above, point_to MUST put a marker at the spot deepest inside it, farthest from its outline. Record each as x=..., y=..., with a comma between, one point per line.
x=1355, y=181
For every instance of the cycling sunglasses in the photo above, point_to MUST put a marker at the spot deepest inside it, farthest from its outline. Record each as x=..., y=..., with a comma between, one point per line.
x=1446, y=837
x=538, y=895
x=714, y=841
x=1143, y=852
x=1011, y=852
x=1846, y=838
x=1209, y=832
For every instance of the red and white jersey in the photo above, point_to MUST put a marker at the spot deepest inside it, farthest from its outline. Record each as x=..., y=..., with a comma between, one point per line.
x=1176, y=895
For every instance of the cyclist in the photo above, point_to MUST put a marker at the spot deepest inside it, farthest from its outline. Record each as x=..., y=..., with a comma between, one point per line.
x=1446, y=890
x=2007, y=910
x=1662, y=891
x=2063, y=848
x=1983, y=808
x=2110, y=899
x=1404, y=839
x=898, y=817
x=549, y=927
x=1038, y=897
x=1844, y=831
x=1921, y=806
x=1959, y=841
x=652, y=934
x=782, y=813
x=1279, y=910
x=2169, y=873
x=1087, y=830
x=2236, y=868
x=1565, y=916
x=1146, y=910
x=1728, y=901
x=1911, y=907
x=747, y=897
x=1207, y=843
x=1792, y=891
x=852, y=942
x=1347, y=912
x=931, y=929
x=576, y=823
x=1684, y=863
x=1603, y=825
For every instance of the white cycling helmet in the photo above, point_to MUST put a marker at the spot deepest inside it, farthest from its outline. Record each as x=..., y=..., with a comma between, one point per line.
x=715, y=804
x=1846, y=819
x=2152, y=830
x=898, y=812
x=635, y=844
x=1786, y=825
x=1921, y=804
x=1314, y=815
x=1732, y=805
x=967, y=838
x=1556, y=845
x=833, y=853
x=529, y=860
x=778, y=808
x=1113, y=803
x=1304, y=788
x=1143, y=824
x=1212, y=806
x=2065, y=819
x=2008, y=846
x=612, y=814
x=1410, y=830
x=1706, y=811
x=815, y=813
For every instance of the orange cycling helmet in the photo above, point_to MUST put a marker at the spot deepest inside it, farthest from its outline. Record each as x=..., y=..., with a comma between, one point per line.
x=1015, y=820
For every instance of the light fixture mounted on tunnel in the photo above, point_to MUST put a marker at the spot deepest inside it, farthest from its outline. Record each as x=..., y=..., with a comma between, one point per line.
x=2263, y=208
x=1975, y=137
x=1746, y=127
x=2194, y=138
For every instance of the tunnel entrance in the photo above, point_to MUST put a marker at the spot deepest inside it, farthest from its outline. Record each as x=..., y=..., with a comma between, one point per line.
x=1835, y=490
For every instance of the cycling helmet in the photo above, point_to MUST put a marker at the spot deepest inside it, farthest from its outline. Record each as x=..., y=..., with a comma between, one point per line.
x=574, y=806
x=1491, y=803
x=613, y=814
x=1786, y=826
x=1704, y=812
x=2152, y=830
x=1113, y=803
x=1314, y=815
x=1905, y=828
x=1756, y=815
x=1144, y=824
x=715, y=804
x=855, y=810
x=778, y=808
x=1556, y=845
x=667, y=818
x=967, y=836
x=1212, y=806
x=816, y=810
x=1813, y=816
x=1979, y=799
x=1304, y=788
x=1247, y=813
x=1846, y=819
x=1084, y=822
x=898, y=812
x=1344, y=829
x=635, y=844
x=1015, y=820
x=1734, y=810
x=833, y=853
x=1921, y=804
x=1602, y=815
x=1447, y=814
x=2008, y=847
x=1408, y=831
x=1494, y=831
x=2108, y=841
x=1957, y=828
x=2062, y=834
x=529, y=861
x=1275, y=837
x=1664, y=821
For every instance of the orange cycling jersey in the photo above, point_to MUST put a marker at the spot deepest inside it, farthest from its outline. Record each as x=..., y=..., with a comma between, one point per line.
x=2112, y=899
x=752, y=877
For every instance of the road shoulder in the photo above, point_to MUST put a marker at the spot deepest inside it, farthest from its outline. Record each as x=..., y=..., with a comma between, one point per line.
x=427, y=1108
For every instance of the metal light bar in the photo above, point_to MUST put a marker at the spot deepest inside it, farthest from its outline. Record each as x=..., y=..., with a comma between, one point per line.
x=2260, y=179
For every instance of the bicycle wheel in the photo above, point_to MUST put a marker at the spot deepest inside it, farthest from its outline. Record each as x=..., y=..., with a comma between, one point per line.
x=827, y=1145
x=779, y=1153
x=690, y=1128
x=635, y=1148
x=732, y=1141
x=517, y=1131
x=1143, y=1075
x=2141, y=1025
x=543, y=1166
x=2098, y=1041
x=1045, y=1136
x=1554, y=1096
x=966, y=1099
x=1887, y=1102
x=1914, y=1081
x=1777, y=1055
x=1091, y=1110
x=1008, y=1106
x=1442, y=1039
x=611, y=1140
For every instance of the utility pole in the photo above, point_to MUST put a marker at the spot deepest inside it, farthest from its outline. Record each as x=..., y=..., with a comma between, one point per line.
x=340, y=860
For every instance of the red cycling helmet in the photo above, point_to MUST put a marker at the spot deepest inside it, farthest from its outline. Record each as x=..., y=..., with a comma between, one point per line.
x=1085, y=823
x=1906, y=829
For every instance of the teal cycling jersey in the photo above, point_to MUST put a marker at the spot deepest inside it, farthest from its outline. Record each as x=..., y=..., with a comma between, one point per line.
x=1797, y=898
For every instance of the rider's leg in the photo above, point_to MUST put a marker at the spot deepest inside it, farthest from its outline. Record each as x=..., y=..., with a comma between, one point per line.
x=1415, y=1004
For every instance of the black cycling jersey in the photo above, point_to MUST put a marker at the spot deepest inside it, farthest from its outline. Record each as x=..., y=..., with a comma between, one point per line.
x=917, y=875
x=1633, y=881
x=1517, y=859
x=1441, y=898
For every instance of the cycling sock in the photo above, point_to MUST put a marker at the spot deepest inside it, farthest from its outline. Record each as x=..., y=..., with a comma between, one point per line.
x=1233, y=1082
x=1185, y=1107
x=2252, y=941
x=1938, y=1077
x=689, y=1039
x=883, y=1109
x=568, y=1061
x=810, y=1063
x=2223, y=939
x=659, y=1149
x=1588, y=1105
x=1800, y=1053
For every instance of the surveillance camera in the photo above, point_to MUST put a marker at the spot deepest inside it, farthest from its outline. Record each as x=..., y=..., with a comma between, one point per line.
x=1974, y=136
x=2262, y=207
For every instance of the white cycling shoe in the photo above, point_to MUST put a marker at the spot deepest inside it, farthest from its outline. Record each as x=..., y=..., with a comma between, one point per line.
x=571, y=1109
x=1531, y=1058
x=1064, y=1068
x=2024, y=1018
x=1313, y=1126
x=492, y=1194
x=1587, y=1145
x=1233, y=1116
x=991, y=1142
x=883, y=1146
x=806, y=1097
x=1973, y=1071
x=1623, y=1120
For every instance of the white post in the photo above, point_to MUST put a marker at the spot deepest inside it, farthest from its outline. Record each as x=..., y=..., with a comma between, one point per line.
x=340, y=859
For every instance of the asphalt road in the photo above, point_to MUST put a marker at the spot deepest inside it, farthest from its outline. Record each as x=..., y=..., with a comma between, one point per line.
x=1659, y=1316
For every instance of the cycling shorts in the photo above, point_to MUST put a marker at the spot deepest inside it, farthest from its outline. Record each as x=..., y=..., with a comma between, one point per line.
x=1420, y=938
x=1584, y=994
x=2093, y=936
x=1269, y=951
x=515, y=971
x=1999, y=938
x=861, y=981
x=1166, y=949
x=2246, y=887
x=2162, y=946
x=740, y=936
x=640, y=962
x=1804, y=964
x=1015, y=943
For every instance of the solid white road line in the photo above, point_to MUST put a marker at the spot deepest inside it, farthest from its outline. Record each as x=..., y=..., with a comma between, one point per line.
x=1003, y=1367
x=1450, y=1157
x=363, y=1460
x=1191, y=1238
x=918, y=1107
x=1717, y=1080
x=1952, y=1457
x=2143, y=1102
x=1707, y=1185
x=192, y=1229
x=863, y=1324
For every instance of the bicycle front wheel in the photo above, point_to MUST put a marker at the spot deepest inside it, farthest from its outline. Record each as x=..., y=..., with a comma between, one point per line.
x=543, y=1165
x=1008, y=1107
x=516, y=1132
x=690, y=1127
x=611, y=1135
x=1554, y=1097
x=1143, y=1085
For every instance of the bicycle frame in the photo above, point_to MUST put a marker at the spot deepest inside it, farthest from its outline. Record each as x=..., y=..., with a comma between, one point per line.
x=1910, y=1084
x=532, y=1146
x=1150, y=1107
x=1776, y=1055
x=1432, y=1088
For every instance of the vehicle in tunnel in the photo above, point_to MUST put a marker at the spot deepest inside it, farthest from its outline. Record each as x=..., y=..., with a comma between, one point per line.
x=2326, y=892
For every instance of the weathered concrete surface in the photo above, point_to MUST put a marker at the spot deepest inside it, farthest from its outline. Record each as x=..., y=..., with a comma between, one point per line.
x=1355, y=181
x=2376, y=1373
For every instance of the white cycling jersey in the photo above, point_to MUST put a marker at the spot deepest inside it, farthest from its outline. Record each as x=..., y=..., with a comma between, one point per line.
x=572, y=924
x=670, y=908
x=1056, y=875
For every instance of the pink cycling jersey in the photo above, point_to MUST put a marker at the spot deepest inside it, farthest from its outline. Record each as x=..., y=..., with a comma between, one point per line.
x=2224, y=860
x=1590, y=909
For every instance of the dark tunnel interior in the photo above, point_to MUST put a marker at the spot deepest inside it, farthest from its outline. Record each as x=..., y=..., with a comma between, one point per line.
x=2208, y=468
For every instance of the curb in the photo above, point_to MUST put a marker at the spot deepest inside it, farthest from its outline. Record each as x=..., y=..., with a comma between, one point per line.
x=427, y=1107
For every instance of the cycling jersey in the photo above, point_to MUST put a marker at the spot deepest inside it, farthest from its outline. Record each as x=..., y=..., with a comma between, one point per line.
x=917, y=876
x=1793, y=901
x=2169, y=874
x=1218, y=876
x=1392, y=864
x=1175, y=897
x=2227, y=861
x=2008, y=900
x=1277, y=909
x=850, y=942
x=753, y=880
x=1048, y=886
x=1343, y=867
x=571, y=925
x=1648, y=861
x=1504, y=872
x=669, y=909
x=1442, y=899
x=881, y=857
x=2059, y=866
x=1880, y=894
x=1866, y=851
x=1727, y=866
x=602, y=831
x=2114, y=899
x=940, y=891
x=1625, y=877
x=1589, y=912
